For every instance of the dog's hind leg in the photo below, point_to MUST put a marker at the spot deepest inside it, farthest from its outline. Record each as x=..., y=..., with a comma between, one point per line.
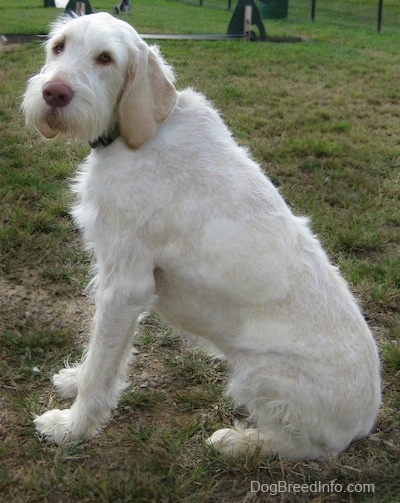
x=241, y=441
x=299, y=411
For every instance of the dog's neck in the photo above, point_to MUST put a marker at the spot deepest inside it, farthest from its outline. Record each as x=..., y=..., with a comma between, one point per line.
x=106, y=139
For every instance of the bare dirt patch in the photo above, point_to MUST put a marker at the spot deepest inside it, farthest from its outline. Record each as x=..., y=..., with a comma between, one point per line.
x=56, y=305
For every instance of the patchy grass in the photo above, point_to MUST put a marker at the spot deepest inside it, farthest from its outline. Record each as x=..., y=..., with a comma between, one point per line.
x=322, y=118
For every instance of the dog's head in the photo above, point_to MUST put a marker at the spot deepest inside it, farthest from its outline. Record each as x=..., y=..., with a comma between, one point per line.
x=99, y=73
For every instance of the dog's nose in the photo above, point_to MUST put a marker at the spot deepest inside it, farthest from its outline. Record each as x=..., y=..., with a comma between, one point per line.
x=57, y=94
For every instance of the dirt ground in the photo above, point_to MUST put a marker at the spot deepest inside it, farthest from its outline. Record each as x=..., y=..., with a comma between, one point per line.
x=56, y=305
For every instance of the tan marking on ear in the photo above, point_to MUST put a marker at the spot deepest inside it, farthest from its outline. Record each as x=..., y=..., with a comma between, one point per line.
x=147, y=100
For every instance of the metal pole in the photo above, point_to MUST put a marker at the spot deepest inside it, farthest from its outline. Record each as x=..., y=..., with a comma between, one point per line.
x=380, y=5
x=313, y=10
x=80, y=8
x=248, y=15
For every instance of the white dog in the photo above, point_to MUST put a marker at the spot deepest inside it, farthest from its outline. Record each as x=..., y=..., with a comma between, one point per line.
x=182, y=221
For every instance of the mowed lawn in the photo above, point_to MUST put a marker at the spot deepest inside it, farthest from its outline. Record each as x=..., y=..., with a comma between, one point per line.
x=322, y=117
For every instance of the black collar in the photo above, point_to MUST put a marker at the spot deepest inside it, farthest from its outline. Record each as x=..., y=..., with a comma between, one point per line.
x=106, y=139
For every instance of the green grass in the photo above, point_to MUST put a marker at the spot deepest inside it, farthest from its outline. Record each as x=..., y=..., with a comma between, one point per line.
x=155, y=16
x=171, y=16
x=322, y=118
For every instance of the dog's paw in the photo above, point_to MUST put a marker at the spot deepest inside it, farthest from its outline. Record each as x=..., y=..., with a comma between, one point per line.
x=59, y=427
x=65, y=382
x=235, y=442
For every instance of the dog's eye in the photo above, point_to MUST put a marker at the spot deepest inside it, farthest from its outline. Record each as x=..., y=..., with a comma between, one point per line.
x=58, y=48
x=104, y=58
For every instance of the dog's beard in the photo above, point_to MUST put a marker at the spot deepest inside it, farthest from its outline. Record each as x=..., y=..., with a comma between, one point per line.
x=55, y=120
x=52, y=123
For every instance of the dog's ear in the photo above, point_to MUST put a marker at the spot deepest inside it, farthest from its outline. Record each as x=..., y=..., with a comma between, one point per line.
x=147, y=100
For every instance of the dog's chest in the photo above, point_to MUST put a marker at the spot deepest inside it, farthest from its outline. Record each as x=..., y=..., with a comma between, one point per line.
x=114, y=189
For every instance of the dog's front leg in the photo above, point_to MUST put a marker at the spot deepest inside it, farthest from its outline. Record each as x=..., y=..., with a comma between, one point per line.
x=98, y=377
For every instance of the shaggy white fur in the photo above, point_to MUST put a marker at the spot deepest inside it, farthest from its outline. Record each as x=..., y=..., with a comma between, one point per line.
x=181, y=220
